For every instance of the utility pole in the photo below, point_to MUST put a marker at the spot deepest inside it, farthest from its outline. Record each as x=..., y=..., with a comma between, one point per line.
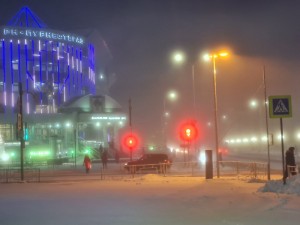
x=267, y=123
x=130, y=126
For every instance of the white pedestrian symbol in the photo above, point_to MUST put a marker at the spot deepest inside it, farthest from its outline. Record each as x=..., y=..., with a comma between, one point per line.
x=280, y=108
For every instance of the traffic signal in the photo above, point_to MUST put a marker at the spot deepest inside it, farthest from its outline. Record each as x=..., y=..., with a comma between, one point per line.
x=188, y=131
x=130, y=141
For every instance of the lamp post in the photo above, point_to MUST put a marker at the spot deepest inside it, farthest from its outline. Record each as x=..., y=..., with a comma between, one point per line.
x=179, y=58
x=171, y=96
x=213, y=57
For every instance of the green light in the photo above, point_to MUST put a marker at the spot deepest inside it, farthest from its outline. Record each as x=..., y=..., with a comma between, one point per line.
x=39, y=153
x=151, y=148
x=26, y=136
x=5, y=157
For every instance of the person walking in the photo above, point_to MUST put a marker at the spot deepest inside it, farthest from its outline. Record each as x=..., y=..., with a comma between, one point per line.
x=290, y=163
x=87, y=163
x=104, y=159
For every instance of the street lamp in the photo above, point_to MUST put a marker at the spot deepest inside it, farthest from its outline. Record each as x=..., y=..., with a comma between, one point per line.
x=213, y=57
x=179, y=58
x=171, y=96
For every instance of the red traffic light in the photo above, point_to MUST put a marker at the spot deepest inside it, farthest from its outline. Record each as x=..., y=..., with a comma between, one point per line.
x=130, y=141
x=188, y=131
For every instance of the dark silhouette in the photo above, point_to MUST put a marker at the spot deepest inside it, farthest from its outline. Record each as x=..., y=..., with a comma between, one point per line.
x=104, y=159
x=100, y=150
x=117, y=156
x=289, y=161
x=87, y=163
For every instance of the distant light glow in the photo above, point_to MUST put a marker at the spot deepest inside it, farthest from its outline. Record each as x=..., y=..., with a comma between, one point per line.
x=202, y=158
x=253, y=139
x=253, y=103
x=264, y=138
x=4, y=157
x=206, y=57
x=178, y=57
x=245, y=140
x=172, y=95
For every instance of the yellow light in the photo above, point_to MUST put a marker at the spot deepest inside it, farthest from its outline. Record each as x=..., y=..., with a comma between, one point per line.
x=207, y=57
x=223, y=54
x=188, y=132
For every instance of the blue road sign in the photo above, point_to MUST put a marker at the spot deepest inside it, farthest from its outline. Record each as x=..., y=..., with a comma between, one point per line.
x=280, y=106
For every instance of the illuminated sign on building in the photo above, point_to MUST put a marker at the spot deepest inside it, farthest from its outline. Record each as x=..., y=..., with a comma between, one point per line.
x=41, y=34
x=108, y=118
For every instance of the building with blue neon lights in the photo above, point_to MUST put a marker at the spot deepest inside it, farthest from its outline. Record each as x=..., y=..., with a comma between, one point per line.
x=53, y=66
x=65, y=101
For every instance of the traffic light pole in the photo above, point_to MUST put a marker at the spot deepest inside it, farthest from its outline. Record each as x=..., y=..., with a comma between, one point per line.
x=21, y=131
x=130, y=153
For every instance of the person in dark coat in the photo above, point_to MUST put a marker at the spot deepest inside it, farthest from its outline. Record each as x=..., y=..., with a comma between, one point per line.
x=104, y=159
x=289, y=161
x=87, y=163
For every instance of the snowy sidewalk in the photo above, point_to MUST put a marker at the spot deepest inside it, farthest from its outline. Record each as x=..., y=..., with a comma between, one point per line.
x=148, y=199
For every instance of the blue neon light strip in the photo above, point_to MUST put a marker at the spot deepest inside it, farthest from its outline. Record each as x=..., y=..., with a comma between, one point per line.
x=77, y=76
x=41, y=78
x=11, y=63
x=27, y=81
x=73, y=72
x=3, y=62
x=58, y=76
x=19, y=61
x=69, y=86
x=4, y=73
x=80, y=61
x=46, y=51
x=11, y=73
x=31, y=20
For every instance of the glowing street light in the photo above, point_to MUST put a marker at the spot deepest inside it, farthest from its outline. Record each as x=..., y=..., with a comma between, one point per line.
x=253, y=104
x=213, y=57
x=171, y=96
x=178, y=57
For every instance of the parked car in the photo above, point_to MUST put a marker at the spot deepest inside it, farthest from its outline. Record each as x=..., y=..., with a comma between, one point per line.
x=149, y=161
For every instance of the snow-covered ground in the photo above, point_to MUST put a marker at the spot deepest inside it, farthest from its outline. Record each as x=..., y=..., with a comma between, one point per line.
x=152, y=199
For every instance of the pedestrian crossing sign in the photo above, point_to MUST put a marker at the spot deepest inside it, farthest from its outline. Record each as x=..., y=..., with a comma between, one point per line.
x=280, y=106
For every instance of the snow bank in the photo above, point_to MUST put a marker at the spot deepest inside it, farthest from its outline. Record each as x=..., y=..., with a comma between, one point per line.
x=292, y=186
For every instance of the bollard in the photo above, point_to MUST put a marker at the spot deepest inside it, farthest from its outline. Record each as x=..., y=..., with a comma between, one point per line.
x=208, y=164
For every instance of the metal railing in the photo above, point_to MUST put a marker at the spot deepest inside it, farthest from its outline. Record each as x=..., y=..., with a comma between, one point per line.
x=249, y=169
x=117, y=171
x=14, y=175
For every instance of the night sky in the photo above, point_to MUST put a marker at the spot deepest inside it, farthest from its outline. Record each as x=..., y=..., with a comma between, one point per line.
x=142, y=34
